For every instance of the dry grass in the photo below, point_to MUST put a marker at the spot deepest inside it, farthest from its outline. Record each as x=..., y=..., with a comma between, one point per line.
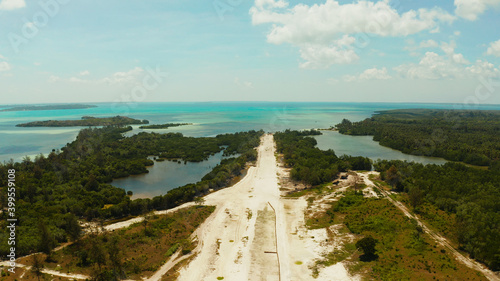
x=143, y=247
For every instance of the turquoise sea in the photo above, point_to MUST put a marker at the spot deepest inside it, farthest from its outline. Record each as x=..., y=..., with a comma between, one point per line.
x=210, y=119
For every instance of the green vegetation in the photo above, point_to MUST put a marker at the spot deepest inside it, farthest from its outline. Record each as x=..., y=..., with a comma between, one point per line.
x=459, y=201
x=86, y=121
x=56, y=191
x=310, y=164
x=468, y=200
x=133, y=252
x=367, y=245
x=49, y=107
x=164, y=126
x=322, y=220
x=457, y=135
x=393, y=246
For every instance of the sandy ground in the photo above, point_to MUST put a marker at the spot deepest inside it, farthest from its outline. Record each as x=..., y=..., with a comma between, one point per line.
x=247, y=223
x=51, y=272
x=255, y=234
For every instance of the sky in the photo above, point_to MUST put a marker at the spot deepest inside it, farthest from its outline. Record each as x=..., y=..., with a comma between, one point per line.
x=62, y=51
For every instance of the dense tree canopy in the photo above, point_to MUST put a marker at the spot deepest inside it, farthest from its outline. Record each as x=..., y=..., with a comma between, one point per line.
x=472, y=194
x=164, y=126
x=472, y=137
x=311, y=164
x=367, y=245
x=53, y=192
x=86, y=121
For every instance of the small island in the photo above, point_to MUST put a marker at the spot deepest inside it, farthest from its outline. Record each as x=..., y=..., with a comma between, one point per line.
x=164, y=126
x=86, y=121
x=49, y=107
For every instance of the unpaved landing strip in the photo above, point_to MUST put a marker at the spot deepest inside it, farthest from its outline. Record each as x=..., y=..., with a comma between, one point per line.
x=243, y=238
x=255, y=234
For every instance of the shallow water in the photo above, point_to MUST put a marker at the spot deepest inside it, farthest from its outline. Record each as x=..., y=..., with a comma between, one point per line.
x=209, y=119
x=365, y=146
x=166, y=175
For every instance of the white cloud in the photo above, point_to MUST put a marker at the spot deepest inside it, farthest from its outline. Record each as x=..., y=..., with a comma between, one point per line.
x=130, y=76
x=77, y=80
x=318, y=30
x=452, y=66
x=12, y=4
x=270, y=4
x=471, y=9
x=4, y=66
x=332, y=81
x=53, y=79
x=449, y=50
x=431, y=66
x=244, y=84
x=413, y=48
x=494, y=49
x=483, y=68
x=37, y=63
x=369, y=74
x=321, y=56
x=428, y=44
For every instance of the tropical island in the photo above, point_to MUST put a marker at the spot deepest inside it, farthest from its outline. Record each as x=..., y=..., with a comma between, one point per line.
x=78, y=177
x=469, y=136
x=402, y=221
x=49, y=107
x=164, y=126
x=86, y=121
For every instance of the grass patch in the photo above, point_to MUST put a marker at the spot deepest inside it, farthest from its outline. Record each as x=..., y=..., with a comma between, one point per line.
x=220, y=278
x=300, y=193
x=108, y=222
x=379, y=193
x=314, y=190
x=336, y=256
x=173, y=273
x=439, y=220
x=321, y=219
x=358, y=186
x=404, y=251
x=172, y=250
x=298, y=262
x=133, y=252
x=380, y=184
x=249, y=214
